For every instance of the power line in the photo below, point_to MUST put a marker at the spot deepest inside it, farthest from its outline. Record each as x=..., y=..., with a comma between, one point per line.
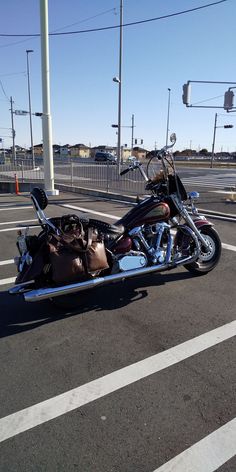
x=87, y=19
x=208, y=99
x=118, y=26
x=63, y=27
x=4, y=93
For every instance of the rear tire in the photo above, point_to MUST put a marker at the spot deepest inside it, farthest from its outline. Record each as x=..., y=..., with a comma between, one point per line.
x=210, y=257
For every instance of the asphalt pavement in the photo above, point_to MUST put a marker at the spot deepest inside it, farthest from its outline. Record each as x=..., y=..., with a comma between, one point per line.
x=137, y=377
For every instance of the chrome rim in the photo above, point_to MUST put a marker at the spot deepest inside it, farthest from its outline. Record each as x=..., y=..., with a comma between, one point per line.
x=207, y=254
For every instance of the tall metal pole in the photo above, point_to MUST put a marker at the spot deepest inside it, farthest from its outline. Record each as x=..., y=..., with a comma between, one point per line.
x=132, y=134
x=168, y=117
x=13, y=132
x=119, y=157
x=213, y=143
x=46, y=116
x=30, y=111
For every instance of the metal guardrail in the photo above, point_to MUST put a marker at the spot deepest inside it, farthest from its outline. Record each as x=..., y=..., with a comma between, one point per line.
x=84, y=173
x=23, y=170
x=90, y=174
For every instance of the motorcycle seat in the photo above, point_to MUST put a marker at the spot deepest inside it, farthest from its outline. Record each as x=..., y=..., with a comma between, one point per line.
x=107, y=228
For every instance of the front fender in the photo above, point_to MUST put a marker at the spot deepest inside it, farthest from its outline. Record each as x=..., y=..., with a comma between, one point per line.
x=200, y=222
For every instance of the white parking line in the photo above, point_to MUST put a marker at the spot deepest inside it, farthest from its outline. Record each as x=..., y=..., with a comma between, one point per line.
x=8, y=261
x=206, y=455
x=26, y=207
x=52, y=408
x=10, y=280
x=16, y=228
x=229, y=247
x=88, y=210
x=18, y=222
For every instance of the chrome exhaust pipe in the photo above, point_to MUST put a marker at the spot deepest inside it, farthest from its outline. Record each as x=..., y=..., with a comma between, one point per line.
x=52, y=292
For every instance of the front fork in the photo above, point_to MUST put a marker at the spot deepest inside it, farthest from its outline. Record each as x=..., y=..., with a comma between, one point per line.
x=194, y=225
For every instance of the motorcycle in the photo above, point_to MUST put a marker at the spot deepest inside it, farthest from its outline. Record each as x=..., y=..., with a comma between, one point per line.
x=160, y=233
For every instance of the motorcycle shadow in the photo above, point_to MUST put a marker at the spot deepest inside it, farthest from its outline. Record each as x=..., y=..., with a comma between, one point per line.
x=18, y=316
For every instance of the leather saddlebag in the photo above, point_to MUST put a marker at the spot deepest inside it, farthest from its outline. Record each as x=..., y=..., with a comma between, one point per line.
x=76, y=255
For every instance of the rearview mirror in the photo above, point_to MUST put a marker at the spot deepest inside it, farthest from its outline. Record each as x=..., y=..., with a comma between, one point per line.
x=173, y=138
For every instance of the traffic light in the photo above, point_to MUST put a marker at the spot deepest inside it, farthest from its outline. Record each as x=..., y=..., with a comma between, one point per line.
x=135, y=141
x=228, y=126
x=229, y=100
x=114, y=126
x=186, y=94
x=141, y=142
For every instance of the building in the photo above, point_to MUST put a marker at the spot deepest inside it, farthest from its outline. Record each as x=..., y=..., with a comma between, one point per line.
x=139, y=153
x=79, y=150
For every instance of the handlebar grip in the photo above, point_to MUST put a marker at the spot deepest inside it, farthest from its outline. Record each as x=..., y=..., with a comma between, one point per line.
x=123, y=172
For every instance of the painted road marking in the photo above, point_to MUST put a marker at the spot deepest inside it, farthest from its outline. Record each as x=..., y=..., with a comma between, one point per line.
x=88, y=210
x=26, y=207
x=17, y=228
x=10, y=280
x=206, y=455
x=17, y=222
x=229, y=247
x=52, y=408
x=8, y=261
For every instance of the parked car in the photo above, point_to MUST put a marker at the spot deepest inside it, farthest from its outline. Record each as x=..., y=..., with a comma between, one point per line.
x=101, y=156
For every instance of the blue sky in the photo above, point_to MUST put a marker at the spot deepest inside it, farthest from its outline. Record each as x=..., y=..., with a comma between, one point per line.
x=156, y=56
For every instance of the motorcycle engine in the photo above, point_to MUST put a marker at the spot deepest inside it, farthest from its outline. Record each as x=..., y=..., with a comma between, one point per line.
x=131, y=260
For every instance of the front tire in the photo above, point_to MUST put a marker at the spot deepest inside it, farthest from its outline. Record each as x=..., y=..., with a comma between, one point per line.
x=210, y=257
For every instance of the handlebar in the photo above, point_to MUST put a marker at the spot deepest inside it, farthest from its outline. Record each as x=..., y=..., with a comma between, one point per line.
x=123, y=172
x=162, y=152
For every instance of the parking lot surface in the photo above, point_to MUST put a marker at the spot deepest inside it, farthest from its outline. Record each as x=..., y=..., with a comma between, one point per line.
x=136, y=377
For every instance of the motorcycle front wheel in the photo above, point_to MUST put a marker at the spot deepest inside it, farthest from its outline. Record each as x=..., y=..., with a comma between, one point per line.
x=209, y=257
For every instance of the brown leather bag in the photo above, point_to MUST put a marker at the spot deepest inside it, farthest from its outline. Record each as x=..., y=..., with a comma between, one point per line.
x=76, y=255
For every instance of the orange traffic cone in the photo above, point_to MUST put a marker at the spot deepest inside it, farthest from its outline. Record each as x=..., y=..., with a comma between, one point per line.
x=16, y=185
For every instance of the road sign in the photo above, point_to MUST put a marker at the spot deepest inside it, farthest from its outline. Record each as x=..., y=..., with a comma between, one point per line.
x=21, y=112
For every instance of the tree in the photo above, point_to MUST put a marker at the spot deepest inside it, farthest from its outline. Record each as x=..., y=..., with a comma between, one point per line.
x=204, y=152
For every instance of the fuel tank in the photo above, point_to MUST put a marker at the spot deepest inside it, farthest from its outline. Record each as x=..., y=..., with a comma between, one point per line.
x=149, y=211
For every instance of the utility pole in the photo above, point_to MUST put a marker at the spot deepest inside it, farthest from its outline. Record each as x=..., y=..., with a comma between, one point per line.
x=46, y=115
x=119, y=157
x=168, y=116
x=132, y=134
x=30, y=112
x=13, y=133
x=213, y=143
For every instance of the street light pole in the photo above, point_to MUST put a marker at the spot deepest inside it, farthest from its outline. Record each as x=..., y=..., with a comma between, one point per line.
x=28, y=51
x=120, y=90
x=132, y=134
x=214, y=136
x=168, y=116
x=213, y=143
x=46, y=115
x=13, y=133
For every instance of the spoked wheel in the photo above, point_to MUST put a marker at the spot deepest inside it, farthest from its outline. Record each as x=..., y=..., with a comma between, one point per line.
x=210, y=256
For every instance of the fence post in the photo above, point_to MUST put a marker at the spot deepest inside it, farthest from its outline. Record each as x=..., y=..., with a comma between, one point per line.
x=107, y=176
x=71, y=173
x=22, y=171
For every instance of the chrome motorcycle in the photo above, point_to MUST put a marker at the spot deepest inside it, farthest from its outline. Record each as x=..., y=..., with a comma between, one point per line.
x=161, y=232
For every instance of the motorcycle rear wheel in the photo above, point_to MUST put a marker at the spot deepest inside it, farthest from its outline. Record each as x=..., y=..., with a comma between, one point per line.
x=210, y=257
